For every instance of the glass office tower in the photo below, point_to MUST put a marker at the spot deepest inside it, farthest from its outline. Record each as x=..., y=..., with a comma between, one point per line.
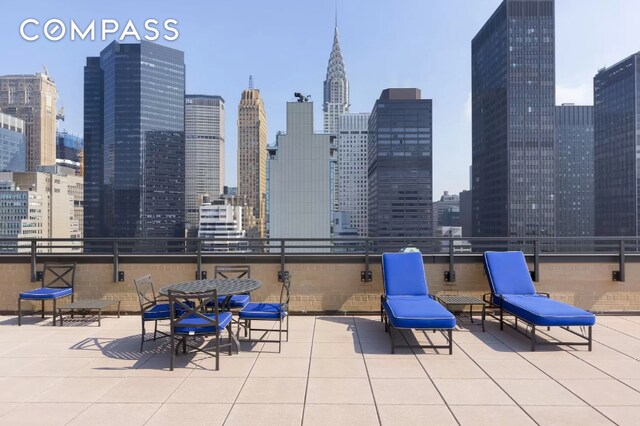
x=574, y=171
x=617, y=148
x=513, y=101
x=400, y=171
x=134, y=141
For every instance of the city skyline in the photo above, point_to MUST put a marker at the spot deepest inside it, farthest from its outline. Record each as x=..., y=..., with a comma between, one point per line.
x=414, y=55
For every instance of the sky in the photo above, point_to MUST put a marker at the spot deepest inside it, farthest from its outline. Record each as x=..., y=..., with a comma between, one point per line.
x=285, y=45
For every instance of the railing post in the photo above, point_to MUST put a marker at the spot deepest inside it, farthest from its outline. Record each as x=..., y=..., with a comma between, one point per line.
x=450, y=275
x=282, y=273
x=116, y=264
x=536, y=261
x=34, y=262
x=366, y=276
x=199, y=275
x=619, y=274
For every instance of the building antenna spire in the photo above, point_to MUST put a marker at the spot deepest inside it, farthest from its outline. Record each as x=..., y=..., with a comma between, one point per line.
x=250, y=82
x=336, y=14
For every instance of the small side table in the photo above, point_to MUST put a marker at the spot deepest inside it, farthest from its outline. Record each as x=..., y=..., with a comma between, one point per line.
x=88, y=306
x=448, y=300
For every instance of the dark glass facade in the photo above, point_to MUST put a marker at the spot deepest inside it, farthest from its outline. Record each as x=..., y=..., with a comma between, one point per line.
x=400, y=169
x=574, y=171
x=617, y=148
x=134, y=142
x=513, y=100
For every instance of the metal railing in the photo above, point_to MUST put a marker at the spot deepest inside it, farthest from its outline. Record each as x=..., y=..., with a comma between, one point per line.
x=282, y=250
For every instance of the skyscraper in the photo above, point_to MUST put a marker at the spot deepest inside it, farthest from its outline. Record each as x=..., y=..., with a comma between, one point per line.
x=204, y=121
x=32, y=98
x=252, y=159
x=400, y=168
x=352, y=170
x=13, y=144
x=299, y=183
x=336, y=102
x=134, y=141
x=336, y=88
x=616, y=128
x=513, y=101
x=574, y=171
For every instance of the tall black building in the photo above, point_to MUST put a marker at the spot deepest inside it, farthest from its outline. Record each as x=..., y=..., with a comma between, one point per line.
x=616, y=145
x=574, y=171
x=400, y=167
x=513, y=100
x=134, y=141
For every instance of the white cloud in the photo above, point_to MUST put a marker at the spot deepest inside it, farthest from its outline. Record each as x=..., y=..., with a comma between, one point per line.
x=579, y=95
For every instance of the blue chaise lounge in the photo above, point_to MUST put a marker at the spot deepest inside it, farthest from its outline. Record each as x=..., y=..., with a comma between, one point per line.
x=407, y=304
x=513, y=293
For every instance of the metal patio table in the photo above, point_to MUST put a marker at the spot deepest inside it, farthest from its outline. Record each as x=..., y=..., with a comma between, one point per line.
x=448, y=300
x=226, y=287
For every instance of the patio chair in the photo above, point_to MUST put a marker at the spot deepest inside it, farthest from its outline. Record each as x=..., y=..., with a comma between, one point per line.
x=513, y=292
x=189, y=319
x=237, y=301
x=150, y=309
x=268, y=312
x=407, y=304
x=57, y=282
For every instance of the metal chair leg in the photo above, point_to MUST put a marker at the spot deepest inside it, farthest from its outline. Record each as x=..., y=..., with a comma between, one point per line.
x=280, y=335
x=19, y=312
x=450, y=342
x=393, y=347
x=142, y=337
x=173, y=351
x=42, y=312
x=155, y=331
x=218, y=350
x=230, y=339
x=590, y=331
x=533, y=337
x=54, y=312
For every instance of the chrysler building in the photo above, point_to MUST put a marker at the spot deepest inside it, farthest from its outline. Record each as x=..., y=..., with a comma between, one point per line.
x=336, y=88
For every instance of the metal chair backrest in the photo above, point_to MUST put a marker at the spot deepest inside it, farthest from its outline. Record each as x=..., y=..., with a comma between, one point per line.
x=145, y=291
x=232, y=271
x=192, y=306
x=59, y=275
x=285, y=293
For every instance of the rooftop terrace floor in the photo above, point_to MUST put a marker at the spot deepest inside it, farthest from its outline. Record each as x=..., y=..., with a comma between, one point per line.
x=334, y=370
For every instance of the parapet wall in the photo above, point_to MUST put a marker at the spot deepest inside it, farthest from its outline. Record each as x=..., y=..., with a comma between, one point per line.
x=324, y=285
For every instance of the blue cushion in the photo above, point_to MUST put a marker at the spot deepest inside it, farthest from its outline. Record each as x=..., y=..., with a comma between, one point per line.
x=404, y=274
x=508, y=273
x=420, y=312
x=262, y=311
x=540, y=310
x=159, y=311
x=237, y=301
x=46, y=293
x=188, y=325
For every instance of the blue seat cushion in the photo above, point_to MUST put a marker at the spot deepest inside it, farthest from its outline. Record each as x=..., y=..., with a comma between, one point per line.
x=195, y=324
x=419, y=312
x=46, y=293
x=262, y=311
x=159, y=311
x=508, y=272
x=237, y=301
x=540, y=310
x=404, y=274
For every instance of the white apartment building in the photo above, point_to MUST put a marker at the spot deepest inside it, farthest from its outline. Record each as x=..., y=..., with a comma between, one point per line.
x=220, y=226
x=352, y=168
